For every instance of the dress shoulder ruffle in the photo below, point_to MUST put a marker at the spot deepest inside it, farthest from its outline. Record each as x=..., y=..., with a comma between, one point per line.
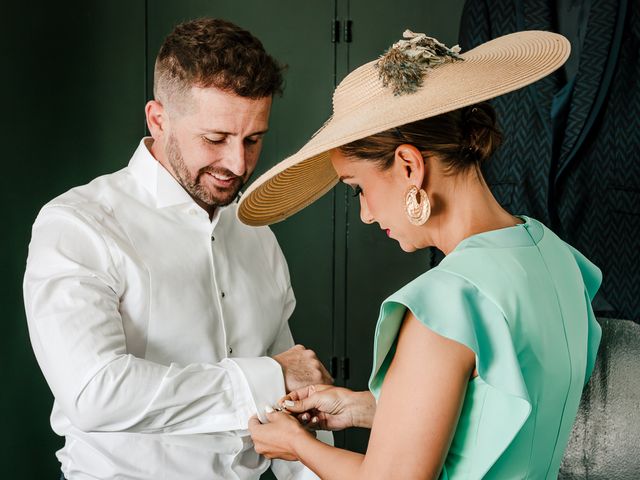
x=454, y=308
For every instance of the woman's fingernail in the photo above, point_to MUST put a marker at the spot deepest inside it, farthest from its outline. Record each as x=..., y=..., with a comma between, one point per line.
x=289, y=403
x=268, y=409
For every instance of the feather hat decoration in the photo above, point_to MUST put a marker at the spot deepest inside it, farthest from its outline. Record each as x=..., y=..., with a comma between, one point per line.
x=405, y=64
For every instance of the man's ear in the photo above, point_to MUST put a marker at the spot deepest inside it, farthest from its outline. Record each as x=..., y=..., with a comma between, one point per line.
x=410, y=164
x=156, y=118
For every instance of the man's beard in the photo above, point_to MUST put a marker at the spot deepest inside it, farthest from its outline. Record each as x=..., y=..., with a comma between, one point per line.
x=215, y=197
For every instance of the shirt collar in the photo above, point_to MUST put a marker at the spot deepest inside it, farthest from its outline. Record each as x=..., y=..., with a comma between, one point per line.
x=155, y=178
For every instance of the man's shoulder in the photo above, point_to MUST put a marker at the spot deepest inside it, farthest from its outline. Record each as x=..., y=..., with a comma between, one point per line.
x=99, y=195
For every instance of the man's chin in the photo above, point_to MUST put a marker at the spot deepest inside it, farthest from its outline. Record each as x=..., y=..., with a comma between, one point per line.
x=221, y=199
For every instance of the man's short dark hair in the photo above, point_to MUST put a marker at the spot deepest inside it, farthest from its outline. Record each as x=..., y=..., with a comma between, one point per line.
x=210, y=52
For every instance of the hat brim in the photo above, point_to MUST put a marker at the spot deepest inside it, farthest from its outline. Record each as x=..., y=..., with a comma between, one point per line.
x=362, y=107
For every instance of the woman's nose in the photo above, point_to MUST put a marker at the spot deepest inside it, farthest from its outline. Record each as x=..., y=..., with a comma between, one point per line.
x=365, y=214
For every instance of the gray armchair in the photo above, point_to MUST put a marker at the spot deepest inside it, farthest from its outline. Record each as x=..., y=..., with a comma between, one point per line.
x=605, y=441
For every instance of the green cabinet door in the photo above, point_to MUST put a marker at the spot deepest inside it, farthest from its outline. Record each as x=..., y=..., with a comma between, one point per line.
x=298, y=35
x=76, y=81
x=73, y=98
x=341, y=269
x=375, y=264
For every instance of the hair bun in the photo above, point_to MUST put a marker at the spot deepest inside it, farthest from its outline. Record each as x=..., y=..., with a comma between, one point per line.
x=481, y=136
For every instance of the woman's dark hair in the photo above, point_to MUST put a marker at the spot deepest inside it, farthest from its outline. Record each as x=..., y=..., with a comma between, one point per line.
x=462, y=139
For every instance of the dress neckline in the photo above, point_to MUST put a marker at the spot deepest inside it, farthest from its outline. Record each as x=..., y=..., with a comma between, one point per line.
x=525, y=234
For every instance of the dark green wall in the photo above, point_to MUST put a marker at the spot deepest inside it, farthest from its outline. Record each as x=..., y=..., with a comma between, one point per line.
x=74, y=80
x=73, y=87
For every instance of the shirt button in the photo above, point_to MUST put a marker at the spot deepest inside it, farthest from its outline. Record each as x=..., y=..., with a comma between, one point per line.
x=213, y=238
x=222, y=294
x=230, y=350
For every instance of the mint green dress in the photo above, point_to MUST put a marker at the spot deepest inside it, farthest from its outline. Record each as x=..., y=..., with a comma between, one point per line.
x=520, y=298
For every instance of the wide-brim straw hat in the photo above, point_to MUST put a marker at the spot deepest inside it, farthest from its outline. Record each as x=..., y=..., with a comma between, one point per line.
x=362, y=106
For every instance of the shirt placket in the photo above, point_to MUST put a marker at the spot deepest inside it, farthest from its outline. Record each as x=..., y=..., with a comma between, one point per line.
x=216, y=243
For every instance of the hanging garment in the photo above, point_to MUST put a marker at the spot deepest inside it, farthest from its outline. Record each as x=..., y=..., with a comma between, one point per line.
x=571, y=155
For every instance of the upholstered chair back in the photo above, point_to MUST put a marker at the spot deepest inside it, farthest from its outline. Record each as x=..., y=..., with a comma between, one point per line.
x=605, y=441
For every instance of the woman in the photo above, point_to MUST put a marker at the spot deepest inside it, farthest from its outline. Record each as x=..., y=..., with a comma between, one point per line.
x=480, y=362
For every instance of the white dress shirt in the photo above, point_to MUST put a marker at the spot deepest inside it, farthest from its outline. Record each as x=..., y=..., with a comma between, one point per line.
x=153, y=326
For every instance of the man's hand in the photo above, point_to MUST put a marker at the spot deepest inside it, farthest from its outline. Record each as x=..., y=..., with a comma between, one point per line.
x=325, y=407
x=302, y=368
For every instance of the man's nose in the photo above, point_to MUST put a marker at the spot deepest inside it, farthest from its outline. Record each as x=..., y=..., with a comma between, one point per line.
x=365, y=214
x=236, y=162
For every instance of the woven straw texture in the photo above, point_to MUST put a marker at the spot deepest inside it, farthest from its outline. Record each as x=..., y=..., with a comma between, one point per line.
x=362, y=107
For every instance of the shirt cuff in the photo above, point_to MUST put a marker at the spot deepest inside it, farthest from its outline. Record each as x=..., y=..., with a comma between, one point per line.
x=263, y=376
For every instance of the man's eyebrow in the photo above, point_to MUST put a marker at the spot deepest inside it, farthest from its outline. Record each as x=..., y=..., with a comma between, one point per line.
x=261, y=132
x=213, y=130
x=222, y=132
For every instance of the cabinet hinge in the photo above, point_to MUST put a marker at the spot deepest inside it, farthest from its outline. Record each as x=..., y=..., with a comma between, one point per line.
x=335, y=31
x=344, y=368
x=333, y=366
x=339, y=367
x=348, y=34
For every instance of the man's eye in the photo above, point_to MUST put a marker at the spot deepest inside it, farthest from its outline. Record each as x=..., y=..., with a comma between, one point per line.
x=214, y=141
x=252, y=140
x=357, y=191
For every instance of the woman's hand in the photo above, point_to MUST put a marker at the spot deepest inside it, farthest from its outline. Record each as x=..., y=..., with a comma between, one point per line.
x=278, y=438
x=324, y=407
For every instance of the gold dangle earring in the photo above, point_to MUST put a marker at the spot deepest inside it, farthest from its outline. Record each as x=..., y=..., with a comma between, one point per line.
x=418, y=209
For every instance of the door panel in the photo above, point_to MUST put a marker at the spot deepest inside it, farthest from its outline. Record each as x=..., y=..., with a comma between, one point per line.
x=298, y=36
x=76, y=88
x=72, y=110
x=375, y=264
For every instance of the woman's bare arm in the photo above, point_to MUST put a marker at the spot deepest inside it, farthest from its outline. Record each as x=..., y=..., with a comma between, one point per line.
x=415, y=420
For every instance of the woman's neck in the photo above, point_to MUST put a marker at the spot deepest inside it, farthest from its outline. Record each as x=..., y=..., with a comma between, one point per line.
x=465, y=206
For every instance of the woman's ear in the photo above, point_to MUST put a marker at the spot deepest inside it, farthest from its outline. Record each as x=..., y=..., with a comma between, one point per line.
x=410, y=164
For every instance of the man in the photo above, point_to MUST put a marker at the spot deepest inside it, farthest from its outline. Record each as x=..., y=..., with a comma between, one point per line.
x=160, y=321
